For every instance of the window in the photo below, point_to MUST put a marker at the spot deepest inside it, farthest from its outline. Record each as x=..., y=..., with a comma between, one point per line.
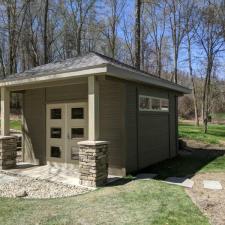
x=77, y=113
x=144, y=103
x=155, y=104
x=77, y=133
x=55, y=152
x=148, y=103
x=165, y=105
x=56, y=114
x=55, y=132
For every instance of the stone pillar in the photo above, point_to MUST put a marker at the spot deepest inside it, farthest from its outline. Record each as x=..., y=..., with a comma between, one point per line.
x=8, y=147
x=93, y=163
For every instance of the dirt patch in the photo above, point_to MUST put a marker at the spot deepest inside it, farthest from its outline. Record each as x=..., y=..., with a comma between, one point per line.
x=210, y=202
x=193, y=144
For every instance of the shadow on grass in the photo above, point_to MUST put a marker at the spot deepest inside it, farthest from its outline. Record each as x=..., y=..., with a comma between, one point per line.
x=188, y=163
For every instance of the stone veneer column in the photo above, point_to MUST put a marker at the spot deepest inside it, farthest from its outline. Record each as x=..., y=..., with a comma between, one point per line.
x=93, y=163
x=8, y=147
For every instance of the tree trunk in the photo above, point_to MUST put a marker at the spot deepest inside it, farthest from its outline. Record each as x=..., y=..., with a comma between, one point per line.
x=2, y=63
x=192, y=80
x=137, y=34
x=79, y=41
x=46, y=49
x=11, y=14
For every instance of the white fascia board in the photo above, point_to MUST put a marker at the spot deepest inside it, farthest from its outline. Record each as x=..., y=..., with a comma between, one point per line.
x=129, y=74
x=54, y=77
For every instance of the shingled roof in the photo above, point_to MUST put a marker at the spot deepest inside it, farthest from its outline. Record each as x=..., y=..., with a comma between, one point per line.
x=89, y=61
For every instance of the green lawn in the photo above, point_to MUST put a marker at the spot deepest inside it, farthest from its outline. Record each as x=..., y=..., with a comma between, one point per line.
x=137, y=202
x=15, y=124
x=215, y=135
x=219, y=116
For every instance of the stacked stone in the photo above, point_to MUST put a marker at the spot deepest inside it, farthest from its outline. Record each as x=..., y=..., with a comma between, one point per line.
x=8, y=147
x=93, y=163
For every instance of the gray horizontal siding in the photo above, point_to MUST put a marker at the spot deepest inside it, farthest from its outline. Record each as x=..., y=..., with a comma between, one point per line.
x=34, y=126
x=112, y=123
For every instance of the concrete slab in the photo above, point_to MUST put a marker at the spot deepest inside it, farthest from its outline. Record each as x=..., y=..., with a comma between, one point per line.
x=181, y=181
x=54, y=174
x=4, y=178
x=50, y=173
x=212, y=184
x=146, y=176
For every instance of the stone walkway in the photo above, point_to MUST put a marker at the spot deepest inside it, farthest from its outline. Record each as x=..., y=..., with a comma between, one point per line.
x=212, y=184
x=182, y=181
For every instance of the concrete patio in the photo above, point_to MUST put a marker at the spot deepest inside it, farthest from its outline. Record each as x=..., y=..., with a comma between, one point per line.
x=61, y=175
x=46, y=172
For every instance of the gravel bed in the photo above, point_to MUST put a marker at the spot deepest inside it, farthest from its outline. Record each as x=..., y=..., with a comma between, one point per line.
x=38, y=189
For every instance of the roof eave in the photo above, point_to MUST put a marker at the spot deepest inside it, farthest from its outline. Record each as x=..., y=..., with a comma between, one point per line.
x=137, y=76
x=97, y=70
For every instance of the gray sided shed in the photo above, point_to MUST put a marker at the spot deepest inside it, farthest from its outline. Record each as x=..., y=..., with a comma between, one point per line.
x=136, y=138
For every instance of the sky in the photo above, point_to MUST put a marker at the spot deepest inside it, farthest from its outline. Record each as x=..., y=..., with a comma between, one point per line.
x=198, y=54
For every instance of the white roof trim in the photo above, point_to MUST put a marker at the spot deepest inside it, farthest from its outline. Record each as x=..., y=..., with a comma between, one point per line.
x=53, y=77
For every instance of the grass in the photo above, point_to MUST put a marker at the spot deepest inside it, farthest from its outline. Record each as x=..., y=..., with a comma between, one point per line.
x=137, y=202
x=215, y=135
x=219, y=116
x=15, y=124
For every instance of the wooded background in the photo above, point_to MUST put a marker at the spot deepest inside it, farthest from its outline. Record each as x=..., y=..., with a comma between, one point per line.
x=179, y=40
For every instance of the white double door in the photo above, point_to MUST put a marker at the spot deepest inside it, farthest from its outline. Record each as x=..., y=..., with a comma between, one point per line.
x=66, y=125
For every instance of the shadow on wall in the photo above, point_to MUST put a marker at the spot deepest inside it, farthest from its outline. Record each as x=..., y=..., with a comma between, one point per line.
x=28, y=150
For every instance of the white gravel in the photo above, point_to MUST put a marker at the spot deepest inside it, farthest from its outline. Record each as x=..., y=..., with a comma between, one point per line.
x=39, y=189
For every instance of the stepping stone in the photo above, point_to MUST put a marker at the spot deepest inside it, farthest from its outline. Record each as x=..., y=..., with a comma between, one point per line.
x=181, y=181
x=212, y=184
x=146, y=176
x=7, y=179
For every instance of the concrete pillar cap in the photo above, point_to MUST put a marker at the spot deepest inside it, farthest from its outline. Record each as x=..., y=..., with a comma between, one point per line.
x=92, y=143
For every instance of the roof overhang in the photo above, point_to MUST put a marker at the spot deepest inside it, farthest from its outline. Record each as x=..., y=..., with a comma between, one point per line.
x=104, y=69
x=98, y=70
x=141, y=77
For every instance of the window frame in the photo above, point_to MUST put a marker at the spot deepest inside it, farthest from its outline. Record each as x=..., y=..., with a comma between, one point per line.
x=150, y=104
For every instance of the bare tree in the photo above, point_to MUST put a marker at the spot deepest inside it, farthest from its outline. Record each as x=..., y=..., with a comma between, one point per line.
x=212, y=44
x=112, y=21
x=191, y=26
x=137, y=33
x=156, y=25
x=177, y=18
x=45, y=38
x=129, y=40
